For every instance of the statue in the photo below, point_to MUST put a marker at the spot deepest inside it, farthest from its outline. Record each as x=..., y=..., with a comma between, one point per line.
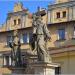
x=15, y=53
x=40, y=37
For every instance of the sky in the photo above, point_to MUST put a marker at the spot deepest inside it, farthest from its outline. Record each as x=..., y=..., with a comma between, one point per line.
x=7, y=6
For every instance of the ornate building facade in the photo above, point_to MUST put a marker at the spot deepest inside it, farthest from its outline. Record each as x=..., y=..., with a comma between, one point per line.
x=19, y=19
x=60, y=18
x=61, y=23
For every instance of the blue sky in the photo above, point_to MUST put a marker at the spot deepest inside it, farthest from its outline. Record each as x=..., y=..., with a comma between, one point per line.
x=7, y=6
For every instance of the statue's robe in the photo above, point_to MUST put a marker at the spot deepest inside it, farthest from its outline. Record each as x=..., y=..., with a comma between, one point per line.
x=42, y=35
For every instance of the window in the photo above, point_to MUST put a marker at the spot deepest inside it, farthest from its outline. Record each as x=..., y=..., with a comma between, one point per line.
x=74, y=33
x=7, y=61
x=64, y=14
x=21, y=38
x=61, y=34
x=14, y=22
x=57, y=70
x=19, y=21
x=58, y=14
x=25, y=38
x=9, y=39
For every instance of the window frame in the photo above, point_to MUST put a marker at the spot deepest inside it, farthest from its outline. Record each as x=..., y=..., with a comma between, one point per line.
x=21, y=38
x=64, y=14
x=25, y=35
x=58, y=15
x=19, y=21
x=15, y=22
x=7, y=61
x=57, y=70
x=60, y=34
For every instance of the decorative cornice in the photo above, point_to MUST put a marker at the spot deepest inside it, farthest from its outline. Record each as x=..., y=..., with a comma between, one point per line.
x=60, y=5
x=72, y=21
x=18, y=13
x=63, y=49
x=18, y=29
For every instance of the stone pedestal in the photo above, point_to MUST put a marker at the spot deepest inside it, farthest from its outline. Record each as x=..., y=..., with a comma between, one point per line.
x=17, y=70
x=42, y=68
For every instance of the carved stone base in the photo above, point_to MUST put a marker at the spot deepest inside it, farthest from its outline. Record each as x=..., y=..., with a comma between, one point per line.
x=42, y=68
x=18, y=70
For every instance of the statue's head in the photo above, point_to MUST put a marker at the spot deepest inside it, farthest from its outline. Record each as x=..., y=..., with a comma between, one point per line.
x=15, y=33
x=39, y=19
x=36, y=19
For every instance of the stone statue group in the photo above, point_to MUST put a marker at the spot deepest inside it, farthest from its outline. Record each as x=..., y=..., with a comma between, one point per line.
x=37, y=42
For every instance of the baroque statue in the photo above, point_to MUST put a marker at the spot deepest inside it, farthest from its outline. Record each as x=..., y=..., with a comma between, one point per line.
x=39, y=39
x=15, y=52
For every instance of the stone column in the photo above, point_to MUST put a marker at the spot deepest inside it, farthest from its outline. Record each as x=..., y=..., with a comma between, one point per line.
x=10, y=61
x=4, y=61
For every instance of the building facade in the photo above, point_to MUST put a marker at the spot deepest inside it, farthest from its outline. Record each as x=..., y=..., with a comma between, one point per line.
x=60, y=18
x=61, y=24
x=19, y=19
